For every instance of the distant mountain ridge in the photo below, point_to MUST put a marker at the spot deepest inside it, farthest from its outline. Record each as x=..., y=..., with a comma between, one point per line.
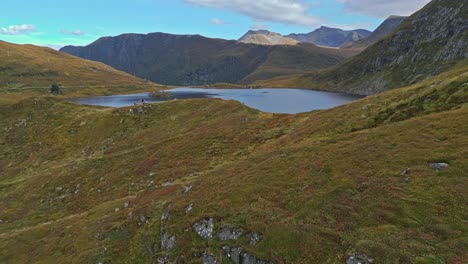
x=331, y=37
x=197, y=60
x=389, y=25
x=427, y=43
x=265, y=37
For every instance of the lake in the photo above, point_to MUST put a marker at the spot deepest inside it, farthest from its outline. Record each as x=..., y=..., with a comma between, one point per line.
x=287, y=101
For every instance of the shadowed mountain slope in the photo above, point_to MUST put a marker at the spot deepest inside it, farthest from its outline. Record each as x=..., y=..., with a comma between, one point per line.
x=196, y=60
x=429, y=42
x=387, y=27
x=331, y=37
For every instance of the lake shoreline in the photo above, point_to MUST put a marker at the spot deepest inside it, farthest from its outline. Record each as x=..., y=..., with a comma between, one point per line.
x=270, y=100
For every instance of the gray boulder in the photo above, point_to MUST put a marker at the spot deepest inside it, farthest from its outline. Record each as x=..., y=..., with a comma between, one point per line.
x=209, y=259
x=254, y=238
x=238, y=256
x=167, y=242
x=438, y=166
x=228, y=232
x=233, y=253
x=204, y=228
x=359, y=259
x=162, y=260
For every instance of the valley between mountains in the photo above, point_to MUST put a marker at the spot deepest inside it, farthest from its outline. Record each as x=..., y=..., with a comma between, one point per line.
x=382, y=179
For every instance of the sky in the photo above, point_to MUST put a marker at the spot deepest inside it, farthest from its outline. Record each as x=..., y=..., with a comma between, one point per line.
x=56, y=23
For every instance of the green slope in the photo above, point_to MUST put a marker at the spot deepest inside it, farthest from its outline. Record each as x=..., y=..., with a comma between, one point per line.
x=88, y=184
x=26, y=66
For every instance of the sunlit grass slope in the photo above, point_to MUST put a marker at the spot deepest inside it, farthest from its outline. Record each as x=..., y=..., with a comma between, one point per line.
x=32, y=67
x=76, y=181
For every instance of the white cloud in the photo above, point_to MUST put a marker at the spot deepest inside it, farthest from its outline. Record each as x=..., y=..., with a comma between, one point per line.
x=75, y=32
x=383, y=8
x=217, y=21
x=350, y=26
x=281, y=11
x=17, y=29
x=258, y=26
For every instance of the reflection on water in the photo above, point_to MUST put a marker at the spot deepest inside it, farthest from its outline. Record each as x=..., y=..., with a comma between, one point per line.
x=289, y=101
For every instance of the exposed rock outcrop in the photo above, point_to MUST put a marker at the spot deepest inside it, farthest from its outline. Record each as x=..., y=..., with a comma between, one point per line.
x=238, y=256
x=438, y=166
x=359, y=259
x=167, y=241
x=228, y=232
x=209, y=259
x=204, y=228
x=254, y=238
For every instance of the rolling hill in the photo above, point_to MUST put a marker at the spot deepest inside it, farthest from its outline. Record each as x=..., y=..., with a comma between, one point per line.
x=23, y=66
x=430, y=41
x=205, y=179
x=196, y=60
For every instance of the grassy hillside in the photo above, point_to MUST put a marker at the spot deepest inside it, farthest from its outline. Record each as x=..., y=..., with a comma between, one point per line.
x=36, y=68
x=427, y=43
x=196, y=60
x=87, y=184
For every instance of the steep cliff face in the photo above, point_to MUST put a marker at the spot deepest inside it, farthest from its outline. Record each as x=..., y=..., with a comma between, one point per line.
x=427, y=43
x=331, y=37
x=265, y=37
x=196, y=60
x=387, y=27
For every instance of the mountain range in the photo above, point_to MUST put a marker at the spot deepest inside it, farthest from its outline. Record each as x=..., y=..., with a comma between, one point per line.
x=258, y=55
x=196, y=60
x=331, y=37
x=389, y=25
x=427, y=43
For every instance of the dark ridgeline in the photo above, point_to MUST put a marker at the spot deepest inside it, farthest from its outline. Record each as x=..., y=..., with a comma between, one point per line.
x=331, y=37
x=196, y=60
x=425, y=44
x=387, y=27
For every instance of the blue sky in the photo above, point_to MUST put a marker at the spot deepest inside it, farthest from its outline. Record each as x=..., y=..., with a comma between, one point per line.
x=69, y=22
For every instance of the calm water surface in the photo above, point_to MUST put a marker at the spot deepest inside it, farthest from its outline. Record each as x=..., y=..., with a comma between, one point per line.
x=288, y=101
